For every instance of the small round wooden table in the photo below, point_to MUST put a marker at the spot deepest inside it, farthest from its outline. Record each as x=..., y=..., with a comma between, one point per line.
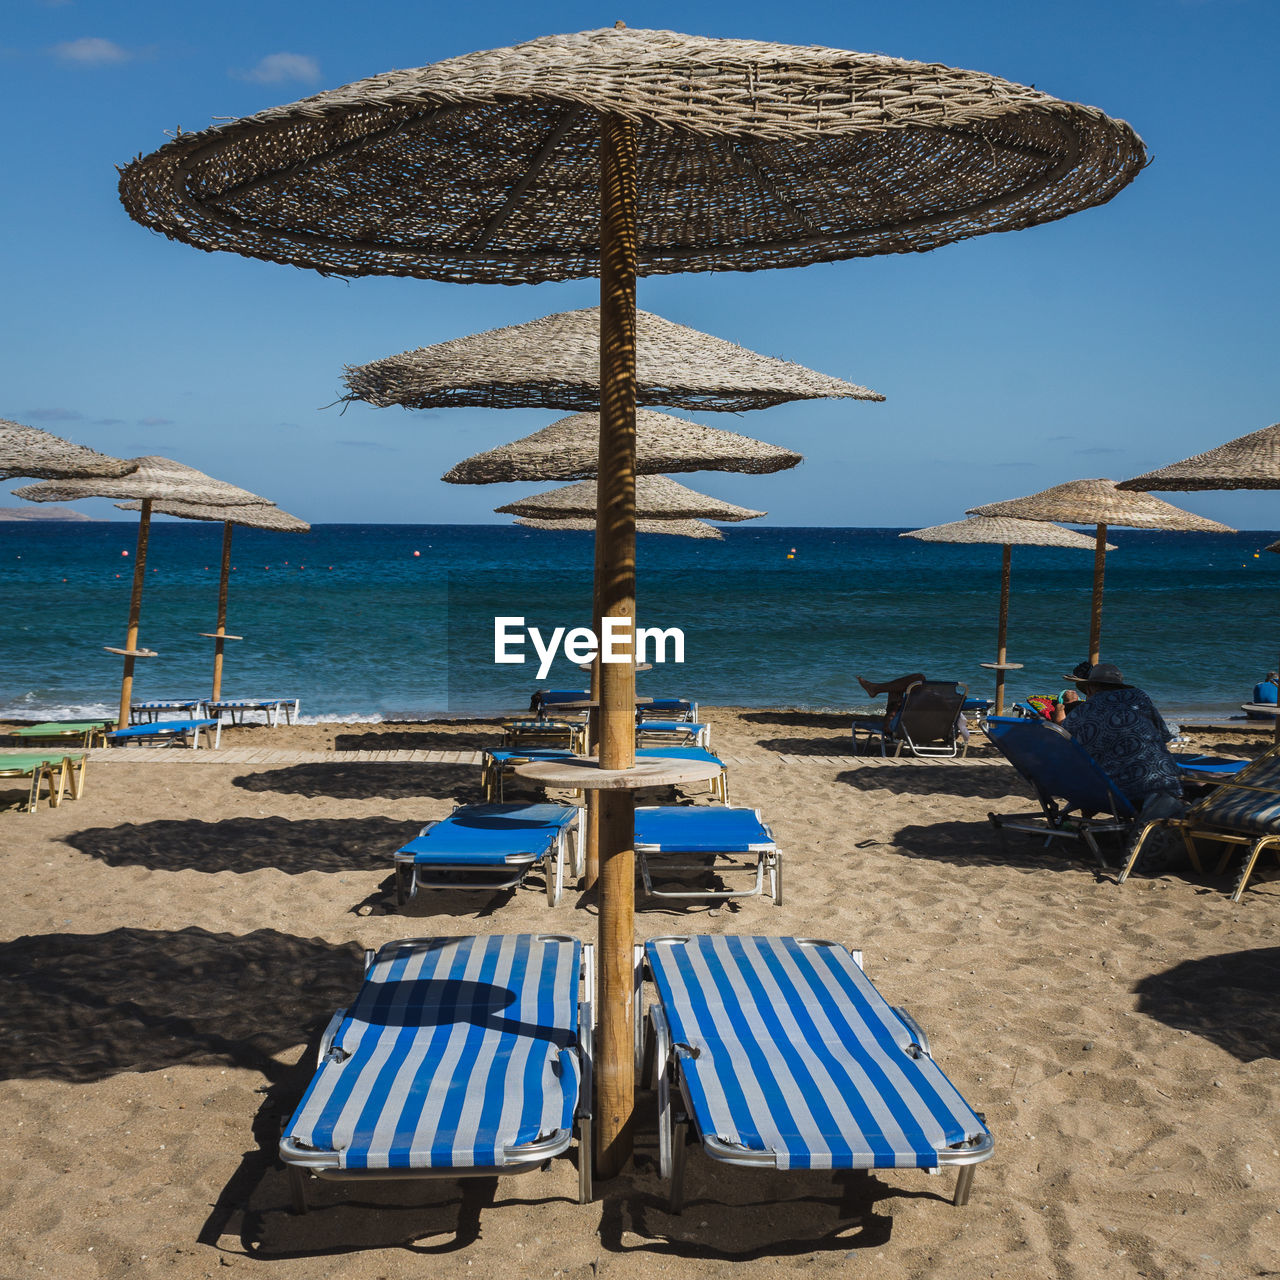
x=585, y=773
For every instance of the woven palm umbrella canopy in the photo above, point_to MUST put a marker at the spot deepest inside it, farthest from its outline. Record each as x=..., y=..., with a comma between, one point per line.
x=657, y=498
x=675, y=528
x=570, y=450
x=251, y=516
x=554, y=363
x=1100, y=503
x=28, y=452
x=153, y=480
x=1006, y=533
x=626, y=153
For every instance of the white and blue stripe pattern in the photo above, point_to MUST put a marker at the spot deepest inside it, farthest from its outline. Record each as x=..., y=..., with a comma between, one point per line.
x=786, y=1048
x=456, y=1051
x=1242, y=808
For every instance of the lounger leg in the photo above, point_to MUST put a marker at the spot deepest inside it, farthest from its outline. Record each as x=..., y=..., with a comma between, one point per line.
x=1132, y=860
x=298, y=1189
x=964, y=1181
x=679, y=1137
x=1247, y=870
x=586, y=1146
x=777, y=879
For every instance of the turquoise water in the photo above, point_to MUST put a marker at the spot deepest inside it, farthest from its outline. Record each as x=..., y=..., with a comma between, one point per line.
x=348, y=619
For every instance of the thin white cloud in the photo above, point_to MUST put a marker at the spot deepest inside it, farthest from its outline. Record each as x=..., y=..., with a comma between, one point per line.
x=276, y=68
x=91, y=51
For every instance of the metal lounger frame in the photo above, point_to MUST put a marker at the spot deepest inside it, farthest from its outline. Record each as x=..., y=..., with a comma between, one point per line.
x=522, y=1159
x=766, y=860
x=662, y=1059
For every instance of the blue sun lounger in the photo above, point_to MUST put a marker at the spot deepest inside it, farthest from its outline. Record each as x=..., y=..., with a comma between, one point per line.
x=707, y=838
x=691, y=733
x=234, y=709
x=166, y=733
x=499, y=761
x=459, y=1057
x=780, y=1053
x=667, y=709
x=145, y=712
x=1077, y=798
x=492, y=847
x=718, y=786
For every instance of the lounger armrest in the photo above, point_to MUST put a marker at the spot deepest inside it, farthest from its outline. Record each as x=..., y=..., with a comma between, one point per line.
x=326, y=1040
x=917, y=1031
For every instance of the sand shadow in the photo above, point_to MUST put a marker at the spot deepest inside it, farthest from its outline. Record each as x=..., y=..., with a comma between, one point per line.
x=922, y=777
x=421, y=740
x=84, y=1007
x=979, y=844
x=368, y=780
x=841, y=746
x=836, y=721
x=248, y=844
x=1232, y=999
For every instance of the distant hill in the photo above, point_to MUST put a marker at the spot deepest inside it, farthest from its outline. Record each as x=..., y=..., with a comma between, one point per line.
x=41, y=513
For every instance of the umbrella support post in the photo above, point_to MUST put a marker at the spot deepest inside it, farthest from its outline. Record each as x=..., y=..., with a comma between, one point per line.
x=135, y=609
x=1099, y=573
x=221, y=629
x=616, y=561
x=1002, y=630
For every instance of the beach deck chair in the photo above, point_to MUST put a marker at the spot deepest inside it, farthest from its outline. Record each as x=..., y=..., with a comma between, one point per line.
x=492, y=847
x=779, y=1052
x=40, y=767
x=691, y=733
x=1077, y=798
x=545, y=731
x=928, y=722
x=460, y=1057
x=545, y=701
x=710, y=839
x=166, y=733
x=91, y=733
x=158, y=708
x=1244, y=810
x=497, y=762
x=667, y=709
x=717, y=786
x=235, y=709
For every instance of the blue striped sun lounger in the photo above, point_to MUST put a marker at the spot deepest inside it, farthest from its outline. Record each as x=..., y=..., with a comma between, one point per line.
x=784, y=1055
x=667, y=709
x=492, y=847
x=718, y=786
x=157, y=708
x=499, y=761
x=235, y=709
x=459, y=1057
x=693, y=733
x=166, y=733
x=710, y=839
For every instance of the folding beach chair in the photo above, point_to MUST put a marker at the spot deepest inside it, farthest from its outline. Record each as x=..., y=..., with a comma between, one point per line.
x=711, y=839
x=499, y=761
x=1243, y=810
x=91, y=733
x=780, y=1053
x=166, y=733
x=492, y=847
x=928, y=722
x=717, y=786
x=1077, y=798
x=38, y=767
x=460, y=1057
x=667, y=709
x=689, y=733
x=158, y=708
x=235, y=709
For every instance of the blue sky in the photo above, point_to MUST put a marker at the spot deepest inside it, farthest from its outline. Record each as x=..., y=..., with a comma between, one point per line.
x=1106, y=344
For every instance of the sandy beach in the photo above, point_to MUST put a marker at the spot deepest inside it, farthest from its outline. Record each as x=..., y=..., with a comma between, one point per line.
x=177, y=939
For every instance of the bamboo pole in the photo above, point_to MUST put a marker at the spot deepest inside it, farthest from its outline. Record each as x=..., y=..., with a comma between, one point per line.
x=135, y=609
x=1099, y=572
x=220, y=641
x=1002, y=630
x=616, y=543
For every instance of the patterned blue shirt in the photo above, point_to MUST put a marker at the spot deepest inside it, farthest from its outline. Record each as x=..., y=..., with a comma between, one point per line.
x=1122, y=730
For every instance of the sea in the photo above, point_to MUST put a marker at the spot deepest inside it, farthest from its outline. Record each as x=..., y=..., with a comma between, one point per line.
x=391, y=622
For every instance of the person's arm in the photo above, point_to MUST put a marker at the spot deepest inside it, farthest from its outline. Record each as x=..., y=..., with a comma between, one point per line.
x=1066, y=702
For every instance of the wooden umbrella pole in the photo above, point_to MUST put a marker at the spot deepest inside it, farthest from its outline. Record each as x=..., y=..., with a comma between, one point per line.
x=616, y=540
x=1002, y=630
x=1099, y=572
x=220, y=643
x=593, y=727
x=135, y=609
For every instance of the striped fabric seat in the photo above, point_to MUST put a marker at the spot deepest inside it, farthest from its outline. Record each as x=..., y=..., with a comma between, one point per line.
x=1252, y=806
x=788, y=1056
x=458, y=1053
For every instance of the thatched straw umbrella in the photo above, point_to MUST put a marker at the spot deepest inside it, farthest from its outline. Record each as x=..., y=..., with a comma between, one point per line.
x=674, y=528
x=554, y=363
x=267, y=516
x=625, y=153
x=29, y=453
x=1100, y=503
x=657, y=498
x=1248, y=462
x=1006, y=533
x=153, y=479
x=570, y=450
